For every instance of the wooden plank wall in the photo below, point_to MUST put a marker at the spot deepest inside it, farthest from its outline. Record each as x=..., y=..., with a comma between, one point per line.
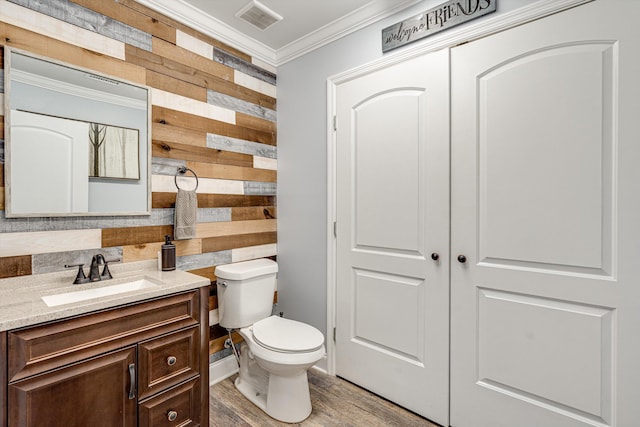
x=213, y=110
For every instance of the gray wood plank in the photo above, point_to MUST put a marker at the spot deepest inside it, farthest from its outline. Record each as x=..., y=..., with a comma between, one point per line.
x=241, y=65
x=239, y=105
x=260, y=188
x=82, y=17
x=52, y=262
x=237, y=145
x=164, y=166
x=210, y=259
x=158, y=217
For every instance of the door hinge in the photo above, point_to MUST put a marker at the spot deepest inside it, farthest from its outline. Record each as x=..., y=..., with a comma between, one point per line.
x=335, y=123
x=335, y=229
x=334, y=334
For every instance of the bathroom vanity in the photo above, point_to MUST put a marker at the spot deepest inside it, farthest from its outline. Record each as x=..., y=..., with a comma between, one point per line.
x=135, y=358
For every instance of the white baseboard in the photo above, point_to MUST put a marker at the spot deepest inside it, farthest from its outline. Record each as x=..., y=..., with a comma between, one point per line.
x=222, y=369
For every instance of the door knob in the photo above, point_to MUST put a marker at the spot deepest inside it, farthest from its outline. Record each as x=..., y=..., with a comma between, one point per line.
x=435, y=256
x=462, y=259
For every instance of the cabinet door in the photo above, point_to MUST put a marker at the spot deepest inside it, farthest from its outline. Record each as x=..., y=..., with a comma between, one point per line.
x=91, y=393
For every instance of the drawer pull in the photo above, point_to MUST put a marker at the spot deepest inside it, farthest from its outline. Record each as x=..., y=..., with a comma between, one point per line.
x=132, y=379
x=171, y=360
x=172, y=415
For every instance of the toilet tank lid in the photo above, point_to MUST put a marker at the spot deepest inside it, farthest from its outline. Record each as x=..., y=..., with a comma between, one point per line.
x=246, y=269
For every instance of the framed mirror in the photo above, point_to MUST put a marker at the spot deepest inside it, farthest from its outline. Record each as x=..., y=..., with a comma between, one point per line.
x=77, y=143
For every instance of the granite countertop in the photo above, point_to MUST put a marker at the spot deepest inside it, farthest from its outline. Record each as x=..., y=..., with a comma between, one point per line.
x=21, y=302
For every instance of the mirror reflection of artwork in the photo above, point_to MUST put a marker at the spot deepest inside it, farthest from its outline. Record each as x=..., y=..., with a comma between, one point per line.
x=113, y=152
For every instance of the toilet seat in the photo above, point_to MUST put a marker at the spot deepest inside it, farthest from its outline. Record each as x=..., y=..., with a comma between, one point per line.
x=286, y=336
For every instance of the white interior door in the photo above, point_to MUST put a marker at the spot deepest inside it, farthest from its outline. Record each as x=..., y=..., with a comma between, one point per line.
x=57, y=179
x=546, y=209
x=392, y=169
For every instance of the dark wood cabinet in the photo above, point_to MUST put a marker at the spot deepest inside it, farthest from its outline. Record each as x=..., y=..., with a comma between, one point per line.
x=94, y=392
x=142, y=364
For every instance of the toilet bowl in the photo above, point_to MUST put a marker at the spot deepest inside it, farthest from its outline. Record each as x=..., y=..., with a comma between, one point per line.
x=276, y=352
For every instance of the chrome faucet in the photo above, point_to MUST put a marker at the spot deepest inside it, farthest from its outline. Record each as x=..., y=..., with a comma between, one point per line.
x=94, y=271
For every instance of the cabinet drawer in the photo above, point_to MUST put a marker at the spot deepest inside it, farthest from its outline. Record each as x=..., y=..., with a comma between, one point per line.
x=41, y=348
x=179, y=406
x=167, y=361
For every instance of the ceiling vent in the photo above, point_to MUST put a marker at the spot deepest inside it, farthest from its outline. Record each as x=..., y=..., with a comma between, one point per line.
x=258, y=15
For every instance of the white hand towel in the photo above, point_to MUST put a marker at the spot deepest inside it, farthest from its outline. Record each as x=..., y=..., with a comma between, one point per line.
x=186, y=214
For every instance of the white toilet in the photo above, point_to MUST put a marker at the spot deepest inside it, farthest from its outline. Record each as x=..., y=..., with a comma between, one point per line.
x=276, y=352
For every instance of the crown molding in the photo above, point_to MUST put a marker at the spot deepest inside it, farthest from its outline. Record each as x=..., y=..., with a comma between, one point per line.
x=206, y=24
x=350, y=23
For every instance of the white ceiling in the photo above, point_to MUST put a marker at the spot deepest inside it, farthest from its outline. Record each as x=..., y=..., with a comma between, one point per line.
x=306, y=24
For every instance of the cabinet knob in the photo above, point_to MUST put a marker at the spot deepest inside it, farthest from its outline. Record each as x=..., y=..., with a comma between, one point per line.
x=172, y=415
x=171, y=360
x=462, y=259
x=435, y=256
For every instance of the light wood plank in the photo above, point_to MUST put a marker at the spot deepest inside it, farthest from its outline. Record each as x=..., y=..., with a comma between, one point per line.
x=134, y=235
x=150, y=250
x=197, y=62
x=165, y=99
x=253, y=83
x=265, y=163
x=176, y=134
x=194, y=45
x=200, y=123
x=173, y=85
x=230, y=228
x=42, y=242
x=166, y=184
x=212, y=170
x=39, y=44
x=215, y=244
x=254, y=252
x=60, y=30
x=174, y=150
x=251, y=121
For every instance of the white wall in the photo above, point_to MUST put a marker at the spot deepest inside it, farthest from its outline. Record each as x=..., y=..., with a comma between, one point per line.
x=302, y=161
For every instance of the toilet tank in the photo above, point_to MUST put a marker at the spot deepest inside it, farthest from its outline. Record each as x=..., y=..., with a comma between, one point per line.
x=245, y=292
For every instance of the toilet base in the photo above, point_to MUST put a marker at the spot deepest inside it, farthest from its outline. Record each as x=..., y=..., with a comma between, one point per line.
x=284, y=398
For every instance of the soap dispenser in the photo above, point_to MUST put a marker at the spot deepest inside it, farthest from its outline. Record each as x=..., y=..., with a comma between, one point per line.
x=168, y=254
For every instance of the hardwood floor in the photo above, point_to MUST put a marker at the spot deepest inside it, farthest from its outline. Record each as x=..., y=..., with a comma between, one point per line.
x=335, y=402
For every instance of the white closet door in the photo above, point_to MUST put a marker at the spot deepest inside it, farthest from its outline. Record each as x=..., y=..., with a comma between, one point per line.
x=392, y=307
x=546, y=210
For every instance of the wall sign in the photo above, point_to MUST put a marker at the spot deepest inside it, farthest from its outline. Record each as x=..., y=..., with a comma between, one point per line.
x=446, y=15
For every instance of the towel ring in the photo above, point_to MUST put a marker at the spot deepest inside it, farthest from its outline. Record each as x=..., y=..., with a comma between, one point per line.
x=182, y=170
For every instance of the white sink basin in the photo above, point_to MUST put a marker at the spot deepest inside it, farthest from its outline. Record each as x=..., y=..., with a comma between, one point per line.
x=103, y=291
